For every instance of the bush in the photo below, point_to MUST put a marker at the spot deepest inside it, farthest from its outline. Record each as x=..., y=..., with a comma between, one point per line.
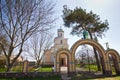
x=2, y=69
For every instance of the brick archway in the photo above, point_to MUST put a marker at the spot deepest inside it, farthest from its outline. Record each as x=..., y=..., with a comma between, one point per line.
x=103, y=54
x=116, y=59
x=57, y=59
x=98, y=47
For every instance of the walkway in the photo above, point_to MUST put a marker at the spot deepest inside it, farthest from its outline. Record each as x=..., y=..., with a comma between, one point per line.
x=80, y=71
x=64, y=73
x=65, y=76
x=88, y=74
x=82, y=74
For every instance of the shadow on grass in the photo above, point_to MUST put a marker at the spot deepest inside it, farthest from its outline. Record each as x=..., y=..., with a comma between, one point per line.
x=30, y=76
x=92, y=76
x=55, y=77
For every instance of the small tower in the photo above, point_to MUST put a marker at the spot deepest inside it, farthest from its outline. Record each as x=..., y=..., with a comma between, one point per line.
x=60, y=33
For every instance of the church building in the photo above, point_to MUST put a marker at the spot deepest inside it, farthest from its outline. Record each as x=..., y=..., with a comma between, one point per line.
x=59, y=42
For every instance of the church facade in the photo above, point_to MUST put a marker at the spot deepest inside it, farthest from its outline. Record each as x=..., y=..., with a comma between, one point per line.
x=59, y=43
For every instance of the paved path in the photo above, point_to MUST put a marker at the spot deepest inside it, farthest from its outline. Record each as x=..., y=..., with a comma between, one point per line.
x=86, y=71
x=64, y=73
x=65, y=76
x=63, y=69
x=82, y=71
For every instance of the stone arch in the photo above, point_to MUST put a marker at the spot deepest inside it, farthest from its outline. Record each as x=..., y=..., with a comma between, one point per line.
x=57, y=59
x=94, y=44
x=116, y=59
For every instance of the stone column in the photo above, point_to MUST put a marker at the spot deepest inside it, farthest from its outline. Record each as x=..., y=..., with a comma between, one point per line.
x=107, y=68
x=25, y=66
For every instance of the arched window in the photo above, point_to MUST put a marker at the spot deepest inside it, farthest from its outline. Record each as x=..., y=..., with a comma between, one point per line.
x=61, y=35
x=61, y=41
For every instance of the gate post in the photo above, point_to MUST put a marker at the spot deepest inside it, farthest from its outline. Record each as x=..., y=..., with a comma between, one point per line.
x=25, y=66
x=107, y=70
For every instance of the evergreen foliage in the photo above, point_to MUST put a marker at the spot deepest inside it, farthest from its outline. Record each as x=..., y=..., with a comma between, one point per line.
x=79, y=19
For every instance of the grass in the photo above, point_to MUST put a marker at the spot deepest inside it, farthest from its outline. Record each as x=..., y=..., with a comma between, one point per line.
x=108, y=78
x=92, y=67
x=43, y=69
x=89, y=77
x=17, y=69
x=2, y=69
x=49, y=69
x=31, y=69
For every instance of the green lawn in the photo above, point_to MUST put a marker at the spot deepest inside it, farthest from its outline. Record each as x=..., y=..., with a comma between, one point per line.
x=19, y=69
x=87, y=77
x=2, y=69
x=92, y=67
x=49, y=69
x=108, y=78
x=43, y=69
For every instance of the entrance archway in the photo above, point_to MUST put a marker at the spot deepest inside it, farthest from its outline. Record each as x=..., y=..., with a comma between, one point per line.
x=116, y=60
x=97, y=46
x=63, y=59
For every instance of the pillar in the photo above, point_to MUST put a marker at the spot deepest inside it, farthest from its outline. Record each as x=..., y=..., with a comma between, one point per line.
x=25, y=66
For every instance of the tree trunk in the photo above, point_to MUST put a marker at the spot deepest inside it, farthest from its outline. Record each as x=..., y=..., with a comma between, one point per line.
x=9, y=66
x=38, y=63
x=102, y=61
x=97, y=60
x=96, y=55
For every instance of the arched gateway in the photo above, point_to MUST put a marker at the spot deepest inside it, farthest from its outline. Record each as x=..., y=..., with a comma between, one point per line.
x=103, y=54
x=62, y=61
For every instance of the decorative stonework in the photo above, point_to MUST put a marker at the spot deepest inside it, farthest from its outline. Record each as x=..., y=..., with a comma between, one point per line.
x=104, y=55
x=116, y=59
x=89, y=42
x=57, y=59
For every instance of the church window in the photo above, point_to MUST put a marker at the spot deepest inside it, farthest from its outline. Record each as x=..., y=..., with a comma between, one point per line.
x=61, y=41
x=61, y=35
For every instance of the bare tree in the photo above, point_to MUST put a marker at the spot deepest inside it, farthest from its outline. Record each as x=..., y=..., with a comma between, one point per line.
x=83, y=54
x=19, y=20
x=3, y=40
x=38, y=45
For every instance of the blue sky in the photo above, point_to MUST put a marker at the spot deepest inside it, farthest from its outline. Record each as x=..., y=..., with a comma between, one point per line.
x=107, y=9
